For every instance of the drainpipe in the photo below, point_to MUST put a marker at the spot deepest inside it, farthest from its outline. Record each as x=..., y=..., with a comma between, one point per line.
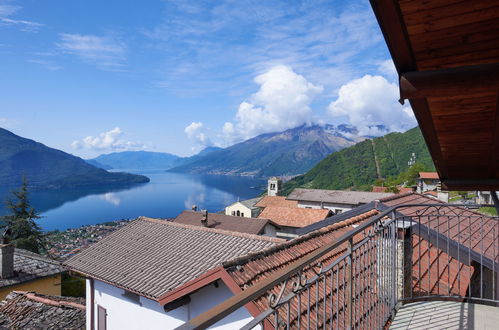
x=495, y=199
x=92, y=304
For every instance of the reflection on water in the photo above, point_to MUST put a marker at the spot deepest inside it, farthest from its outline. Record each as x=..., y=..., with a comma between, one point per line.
x=111, y=198
x=165, y=196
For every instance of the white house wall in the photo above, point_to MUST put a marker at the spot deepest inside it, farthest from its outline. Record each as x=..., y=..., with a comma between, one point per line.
x=125, y=314
x=238, y=207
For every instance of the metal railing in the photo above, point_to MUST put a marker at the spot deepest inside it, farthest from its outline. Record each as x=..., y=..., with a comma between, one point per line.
x=405, y=253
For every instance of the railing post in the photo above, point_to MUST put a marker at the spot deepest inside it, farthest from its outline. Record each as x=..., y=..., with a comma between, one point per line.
x=350, y=284
x=404, y=257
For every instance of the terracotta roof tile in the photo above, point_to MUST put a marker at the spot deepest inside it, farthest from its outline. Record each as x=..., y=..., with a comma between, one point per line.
x=276, y=201
x=428, y=175
x=250, y=269
x=151, y=257
x=225, y=222
x=378, y=189
x=294, y=216
x=441, y=273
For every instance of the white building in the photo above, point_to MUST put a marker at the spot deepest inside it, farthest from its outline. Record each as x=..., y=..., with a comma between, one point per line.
x=337, y=201
x=244, y=208
x=156, y=274
x=428, y=181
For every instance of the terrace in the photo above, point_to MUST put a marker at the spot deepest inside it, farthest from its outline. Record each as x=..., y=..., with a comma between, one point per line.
x=410, y=258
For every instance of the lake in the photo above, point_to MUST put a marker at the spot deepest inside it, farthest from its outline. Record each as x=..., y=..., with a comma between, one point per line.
x=167, y=195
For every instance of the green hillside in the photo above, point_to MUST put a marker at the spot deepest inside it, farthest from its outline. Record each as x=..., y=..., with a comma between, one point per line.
x=48, y=168
x=355, y=167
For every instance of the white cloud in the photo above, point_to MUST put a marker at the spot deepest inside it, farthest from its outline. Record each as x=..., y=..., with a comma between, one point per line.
x=197, y=134
x=7, y=10
x=372, y=100
x=106, y=52
x=282, y=102
x=110, y=140
x=49, y=65
x=387, y=69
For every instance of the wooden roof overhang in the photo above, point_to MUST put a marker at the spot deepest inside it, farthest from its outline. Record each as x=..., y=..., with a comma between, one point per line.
x=447, y=56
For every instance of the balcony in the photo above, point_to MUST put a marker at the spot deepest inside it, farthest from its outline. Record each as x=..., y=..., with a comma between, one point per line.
x=406, y=259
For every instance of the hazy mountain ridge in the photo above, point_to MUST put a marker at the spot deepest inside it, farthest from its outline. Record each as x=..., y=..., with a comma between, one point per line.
x=290, y=152
x=48, y=168
x=145, y=159
x=355, y=167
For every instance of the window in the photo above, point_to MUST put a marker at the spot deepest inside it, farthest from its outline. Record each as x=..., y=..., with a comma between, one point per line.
x=233, y=212
x=242, y=214
x=337, y=211
x=101, y=318
x=238, y=213
x=272, y=186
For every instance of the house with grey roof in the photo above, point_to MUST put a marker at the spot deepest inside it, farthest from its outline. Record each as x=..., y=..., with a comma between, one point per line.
x=246, y=208
x=29, y=310
x=157, y=274
x=337, y=201
x=24, y=270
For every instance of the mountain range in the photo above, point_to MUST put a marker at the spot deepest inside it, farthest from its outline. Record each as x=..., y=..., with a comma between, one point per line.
x=359, y=166
x=290, y=152
x=145, y=159
x=48, y=168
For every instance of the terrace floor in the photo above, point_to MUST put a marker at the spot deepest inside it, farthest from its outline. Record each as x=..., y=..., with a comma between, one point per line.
x=446, y=315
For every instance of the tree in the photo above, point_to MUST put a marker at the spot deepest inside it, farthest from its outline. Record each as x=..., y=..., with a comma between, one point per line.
x=24, y=231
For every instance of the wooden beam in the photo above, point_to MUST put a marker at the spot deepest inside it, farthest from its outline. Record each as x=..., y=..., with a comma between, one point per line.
x=394, y=30
x=466, y=184
x=450, y=82
x=427, y=126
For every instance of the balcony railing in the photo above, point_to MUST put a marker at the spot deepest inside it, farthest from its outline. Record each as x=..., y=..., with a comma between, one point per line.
x=405, y=253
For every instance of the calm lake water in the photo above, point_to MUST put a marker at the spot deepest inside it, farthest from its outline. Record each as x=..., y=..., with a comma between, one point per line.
x=165, y=196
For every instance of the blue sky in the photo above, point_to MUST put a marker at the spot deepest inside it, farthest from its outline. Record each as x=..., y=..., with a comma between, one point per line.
x=92, y=77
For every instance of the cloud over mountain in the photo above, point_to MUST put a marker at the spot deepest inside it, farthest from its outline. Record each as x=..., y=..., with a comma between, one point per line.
x=369, y=101
x=282, y=102
x=110, y=140
x=196, y=133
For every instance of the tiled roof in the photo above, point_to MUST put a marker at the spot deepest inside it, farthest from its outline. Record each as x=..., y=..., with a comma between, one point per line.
x=276, y=201
x=459, y=224
x=29, y=266
x=453, y=279
x=27, y=310
x=152, y=257
x=405, y=190
x=250, y=203
x=336, y=196
x=225, y=222
x=428, y=175
x=378, y=189
x=293, y=216
x=248, y=270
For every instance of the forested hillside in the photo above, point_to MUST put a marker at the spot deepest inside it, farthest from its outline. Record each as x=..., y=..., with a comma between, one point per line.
x=357, y=167
x=48, y=168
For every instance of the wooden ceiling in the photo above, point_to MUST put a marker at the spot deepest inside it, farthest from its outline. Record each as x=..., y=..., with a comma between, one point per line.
x=447, y=55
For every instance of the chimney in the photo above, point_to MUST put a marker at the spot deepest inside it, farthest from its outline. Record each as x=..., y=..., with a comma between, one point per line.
x=194, y=208
x=204, y=220
x=6, y=259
